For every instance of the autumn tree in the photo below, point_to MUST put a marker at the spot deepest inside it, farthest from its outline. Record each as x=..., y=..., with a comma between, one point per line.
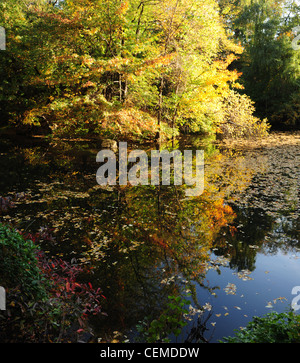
x=116, y=68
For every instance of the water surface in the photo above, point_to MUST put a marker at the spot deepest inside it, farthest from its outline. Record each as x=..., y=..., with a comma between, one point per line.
x=232, y=252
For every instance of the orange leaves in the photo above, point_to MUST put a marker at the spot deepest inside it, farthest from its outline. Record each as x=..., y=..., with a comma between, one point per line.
x=116, y=64
x=89, y=84
x=131, y=65
x=87, y=60
x=129, y=122
x=57, y=17
x=221, y=213
x=161, y=60
x=123, y=8
x=160, y=242
x=62, y=58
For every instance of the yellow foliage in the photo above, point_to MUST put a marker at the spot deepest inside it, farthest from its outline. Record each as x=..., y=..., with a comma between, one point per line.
x=129, y=122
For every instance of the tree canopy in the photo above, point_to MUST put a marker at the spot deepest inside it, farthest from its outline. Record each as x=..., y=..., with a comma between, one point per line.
x=135, y=68
x=270, y=62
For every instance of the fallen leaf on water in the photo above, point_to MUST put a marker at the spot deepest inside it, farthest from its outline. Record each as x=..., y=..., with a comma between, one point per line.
x=230, y=289
x=244, y=275
x=207, y=306
x=280, y=299
x=253, y=246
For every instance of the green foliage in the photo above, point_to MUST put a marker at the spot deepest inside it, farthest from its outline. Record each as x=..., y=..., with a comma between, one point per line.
x=169, y=322
x=270, y=65
x=19, y=266
x=271, y=328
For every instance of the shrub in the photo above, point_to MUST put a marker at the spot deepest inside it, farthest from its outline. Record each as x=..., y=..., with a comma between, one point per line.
x=271, y=328
x=45, y=300
x=19, y=267
x=238, y=119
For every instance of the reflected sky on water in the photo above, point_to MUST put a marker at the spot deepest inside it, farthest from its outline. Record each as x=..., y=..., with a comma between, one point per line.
x=233, y=252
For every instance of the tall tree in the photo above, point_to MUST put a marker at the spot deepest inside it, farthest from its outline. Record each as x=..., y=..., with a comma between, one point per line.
x=269, y=63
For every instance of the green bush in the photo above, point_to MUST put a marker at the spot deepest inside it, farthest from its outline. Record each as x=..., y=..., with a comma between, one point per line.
x=19, y=268
x=271, y=328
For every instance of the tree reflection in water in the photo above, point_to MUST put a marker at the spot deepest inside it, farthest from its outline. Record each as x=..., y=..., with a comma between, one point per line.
x=146, y=243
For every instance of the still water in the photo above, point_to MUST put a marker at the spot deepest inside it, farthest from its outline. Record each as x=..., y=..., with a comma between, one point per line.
x=229, y=254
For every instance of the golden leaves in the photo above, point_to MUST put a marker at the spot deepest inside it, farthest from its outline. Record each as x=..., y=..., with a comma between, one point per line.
x=244, y=275
x=123, y=8
x=230, y=289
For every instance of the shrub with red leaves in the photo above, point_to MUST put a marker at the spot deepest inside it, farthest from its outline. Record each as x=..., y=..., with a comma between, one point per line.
x=65, y=305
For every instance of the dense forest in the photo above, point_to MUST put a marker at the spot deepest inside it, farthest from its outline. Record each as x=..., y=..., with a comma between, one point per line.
x=141, y=68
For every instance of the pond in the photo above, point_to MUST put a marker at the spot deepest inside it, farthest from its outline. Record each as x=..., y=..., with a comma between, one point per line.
x=229, y=254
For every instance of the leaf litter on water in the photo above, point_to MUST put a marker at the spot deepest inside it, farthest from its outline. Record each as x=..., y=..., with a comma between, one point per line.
x=244, y=275
x=230, y=289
